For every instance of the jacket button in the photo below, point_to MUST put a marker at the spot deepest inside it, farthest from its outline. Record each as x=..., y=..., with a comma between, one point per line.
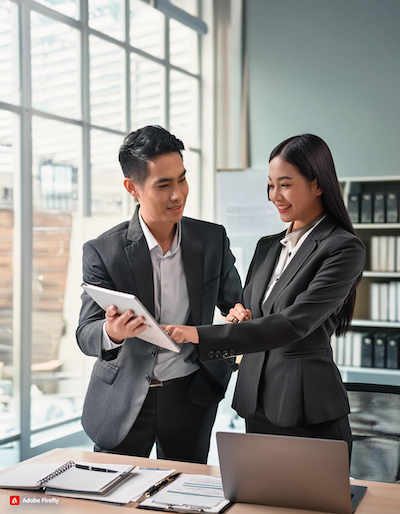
x=153, y=352
x=218, y=354
x=210, y=355
x=231, y=352
x=225, y=353
x=148, y=378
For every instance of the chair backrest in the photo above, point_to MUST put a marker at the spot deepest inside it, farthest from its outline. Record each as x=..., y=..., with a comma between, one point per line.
x=375, y=424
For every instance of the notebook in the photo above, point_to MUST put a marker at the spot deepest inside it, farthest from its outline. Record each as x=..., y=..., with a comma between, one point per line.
x=283, y=471
x=84, y=477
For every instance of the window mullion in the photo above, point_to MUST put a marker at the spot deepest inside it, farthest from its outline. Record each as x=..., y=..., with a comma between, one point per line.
x=167, y=73
x=85, y=183
x=23, y=240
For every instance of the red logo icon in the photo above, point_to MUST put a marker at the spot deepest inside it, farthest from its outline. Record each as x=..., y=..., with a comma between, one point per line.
x=14, y=500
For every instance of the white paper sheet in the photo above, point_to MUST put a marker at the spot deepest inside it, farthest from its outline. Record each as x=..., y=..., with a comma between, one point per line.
x=190, y=492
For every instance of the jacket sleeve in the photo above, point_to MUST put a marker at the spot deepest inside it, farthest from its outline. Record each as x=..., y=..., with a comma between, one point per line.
x=230, y=287
x=91, y=317
x=323, y=298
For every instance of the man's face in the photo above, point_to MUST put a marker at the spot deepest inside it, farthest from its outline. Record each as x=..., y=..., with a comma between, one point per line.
x=162, y=196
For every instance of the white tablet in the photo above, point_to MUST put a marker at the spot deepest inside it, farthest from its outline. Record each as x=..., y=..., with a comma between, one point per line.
x=124, y=302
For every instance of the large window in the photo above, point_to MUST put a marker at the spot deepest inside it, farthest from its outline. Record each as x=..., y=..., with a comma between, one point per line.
x=75, y=78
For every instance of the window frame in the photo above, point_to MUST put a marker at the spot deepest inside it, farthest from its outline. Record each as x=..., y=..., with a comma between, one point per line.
x=23, y=192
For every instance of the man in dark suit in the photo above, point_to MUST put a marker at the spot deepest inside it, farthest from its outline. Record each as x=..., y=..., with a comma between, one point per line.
x=180, y=268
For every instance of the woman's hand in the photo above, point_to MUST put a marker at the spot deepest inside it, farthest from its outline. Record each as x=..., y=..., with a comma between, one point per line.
x=238, y=314
x=182, y=333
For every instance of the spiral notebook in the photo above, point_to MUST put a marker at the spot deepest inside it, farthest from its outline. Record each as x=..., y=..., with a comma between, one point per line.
x=85, y=477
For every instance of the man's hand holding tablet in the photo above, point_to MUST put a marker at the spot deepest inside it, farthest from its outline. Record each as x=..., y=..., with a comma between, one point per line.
x=127, y=317
x=122, y=326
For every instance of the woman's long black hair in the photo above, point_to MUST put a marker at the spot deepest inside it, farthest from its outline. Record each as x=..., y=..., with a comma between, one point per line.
x=313, y=159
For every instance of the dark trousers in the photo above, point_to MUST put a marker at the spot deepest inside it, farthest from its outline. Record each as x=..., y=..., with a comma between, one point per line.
x=338, y=429
x=180, y=429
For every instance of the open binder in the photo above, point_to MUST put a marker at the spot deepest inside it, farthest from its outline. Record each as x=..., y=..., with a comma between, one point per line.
x=85, y=477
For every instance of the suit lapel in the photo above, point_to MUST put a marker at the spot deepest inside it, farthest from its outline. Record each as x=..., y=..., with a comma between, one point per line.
x=262, y=278
x=138, y=255
x=307, y=248
x=293, y=267
x=193, y=264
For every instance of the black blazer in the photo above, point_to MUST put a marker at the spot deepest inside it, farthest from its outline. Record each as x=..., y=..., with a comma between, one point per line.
x=119, y=259
x=289, y=339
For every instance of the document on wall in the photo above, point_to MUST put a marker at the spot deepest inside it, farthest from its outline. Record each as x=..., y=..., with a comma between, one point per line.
x=189, y=493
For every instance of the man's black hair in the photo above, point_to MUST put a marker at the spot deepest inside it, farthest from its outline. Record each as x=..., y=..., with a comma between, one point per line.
x=144, y=144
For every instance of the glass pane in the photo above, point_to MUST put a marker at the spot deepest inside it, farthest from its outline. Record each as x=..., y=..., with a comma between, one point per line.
x=107, y=16
x=9, y=54
x=189, y=6
x=184, y=108
x=55, y=77
x=55, y=164
x=9, y=134
x=57, y=363
x=107, y=78
x=108, y=191
x=68, y=7
x=9, y=454
x=146, y=28
x=183, y=47
x=147, y=92
x=52, y=434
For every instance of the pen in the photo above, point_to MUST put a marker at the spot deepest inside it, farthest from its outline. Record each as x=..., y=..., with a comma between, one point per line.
x=156, y=487
x=93, y=468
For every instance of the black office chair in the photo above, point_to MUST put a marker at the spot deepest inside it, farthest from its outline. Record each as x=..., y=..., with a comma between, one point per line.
x=375, y=423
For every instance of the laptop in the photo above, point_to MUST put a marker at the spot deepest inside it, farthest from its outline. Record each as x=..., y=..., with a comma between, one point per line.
x=285, y=471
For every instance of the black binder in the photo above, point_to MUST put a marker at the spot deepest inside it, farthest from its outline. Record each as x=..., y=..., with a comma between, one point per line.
x=367, y=351
x=393, y=352
x=379, y=350
x=379, y=207
x=392, y=207
x=366, y=208
x=354, y=208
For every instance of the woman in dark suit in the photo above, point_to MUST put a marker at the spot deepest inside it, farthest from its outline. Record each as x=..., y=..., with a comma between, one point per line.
x=300, y=289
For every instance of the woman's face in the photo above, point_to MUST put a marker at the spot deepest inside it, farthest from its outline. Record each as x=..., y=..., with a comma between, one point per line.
x=296, y=198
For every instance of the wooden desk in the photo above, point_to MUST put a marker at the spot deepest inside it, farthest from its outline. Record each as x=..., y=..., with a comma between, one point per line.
x=380, y=498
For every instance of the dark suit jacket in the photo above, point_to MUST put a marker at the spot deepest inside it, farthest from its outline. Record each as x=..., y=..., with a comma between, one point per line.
x=119, y=259
x=288, y=342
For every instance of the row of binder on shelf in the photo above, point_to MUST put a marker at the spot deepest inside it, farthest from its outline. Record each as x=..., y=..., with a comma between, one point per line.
x=374, y=207
x=371, y=350
x=385, y=253
x=385, y=301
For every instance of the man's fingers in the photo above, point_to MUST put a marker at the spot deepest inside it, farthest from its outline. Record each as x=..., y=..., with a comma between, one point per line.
x=127, y=316
x=136, y=322
x=111, y=311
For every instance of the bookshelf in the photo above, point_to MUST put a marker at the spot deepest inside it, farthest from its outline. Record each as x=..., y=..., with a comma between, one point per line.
x=373, y=204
